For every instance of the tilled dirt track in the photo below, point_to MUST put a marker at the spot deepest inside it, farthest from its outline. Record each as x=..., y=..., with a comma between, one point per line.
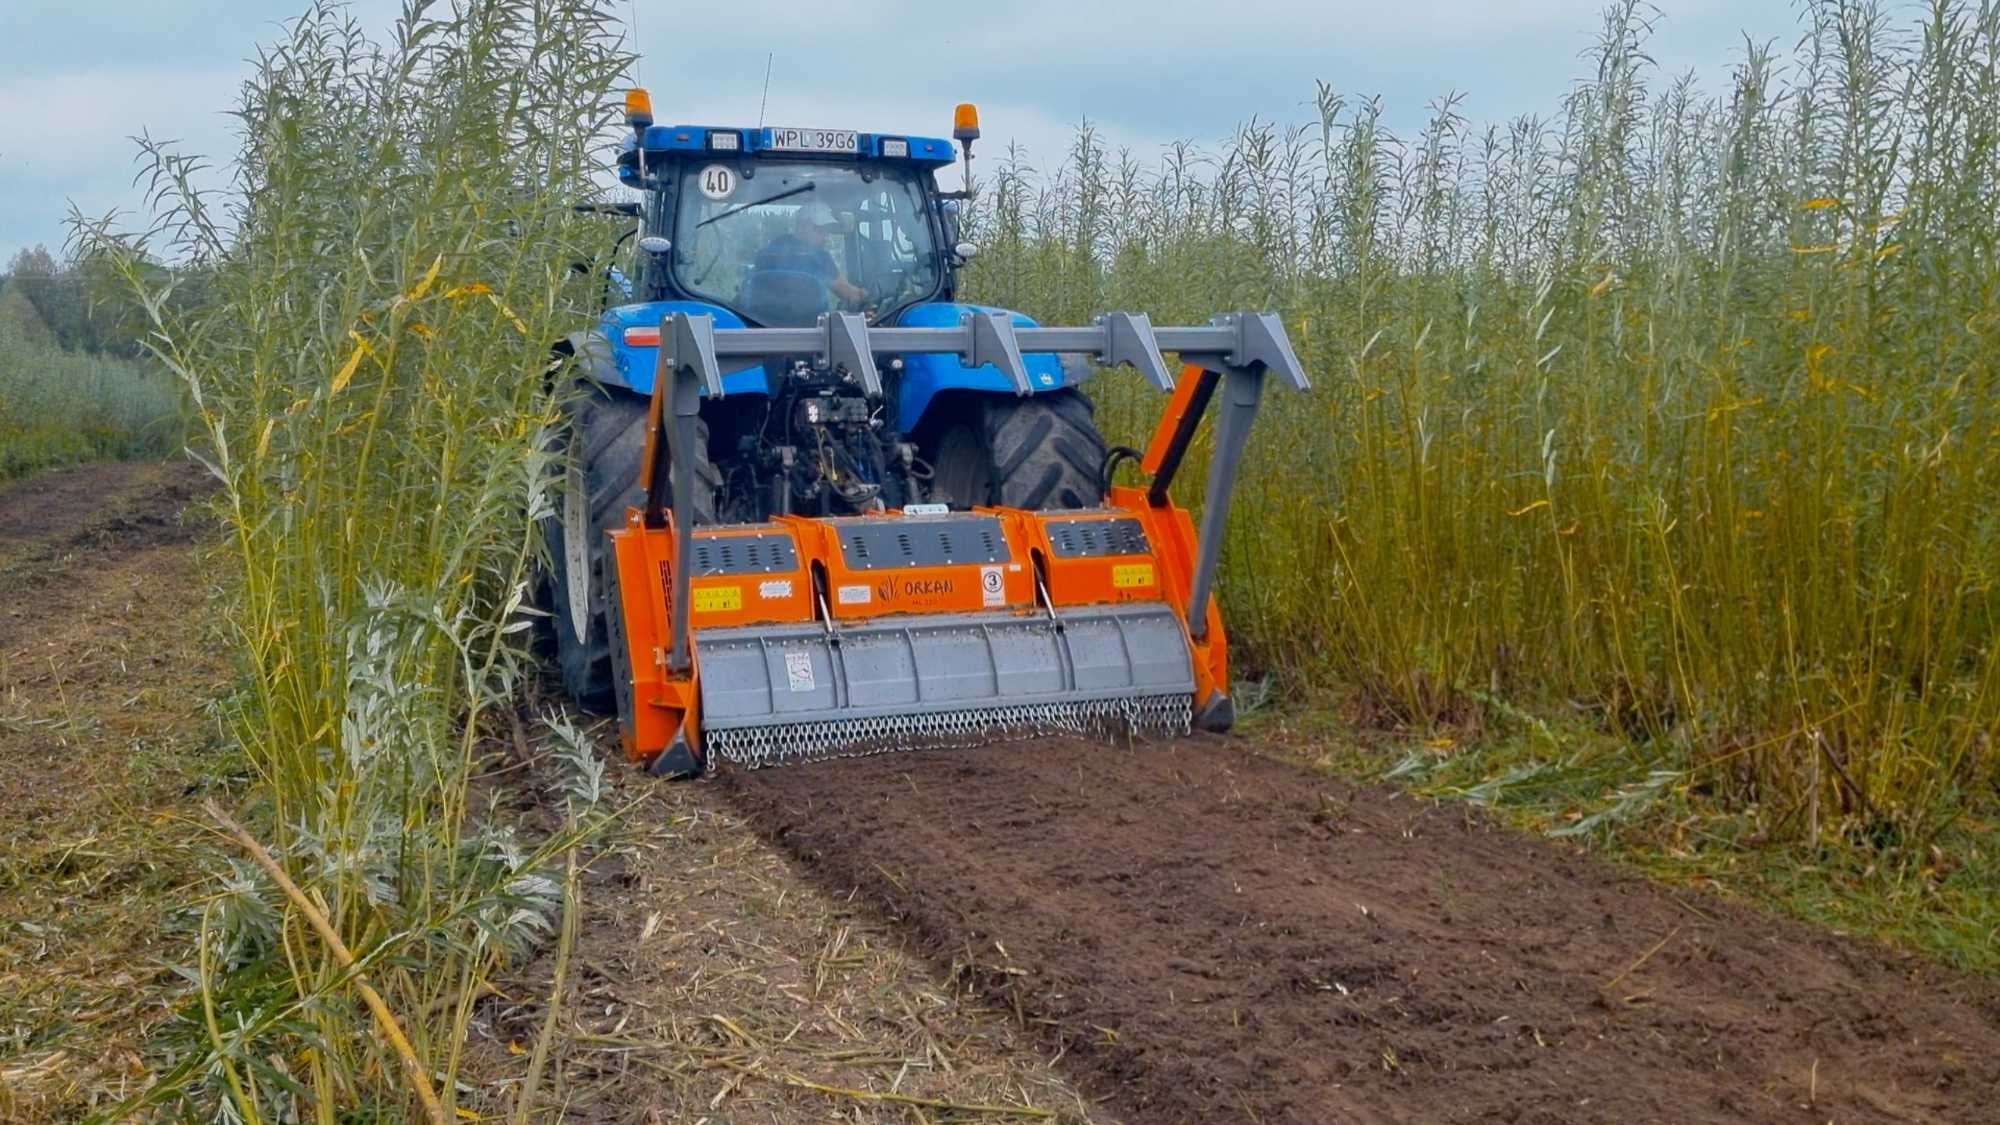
x=1212, y=935
x=106, y=659
x=99, y=516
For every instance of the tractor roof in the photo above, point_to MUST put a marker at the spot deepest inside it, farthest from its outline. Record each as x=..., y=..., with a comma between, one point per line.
x=787, y=141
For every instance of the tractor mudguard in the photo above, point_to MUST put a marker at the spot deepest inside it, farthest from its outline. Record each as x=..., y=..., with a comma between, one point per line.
x=925, y=374
x=616, y=361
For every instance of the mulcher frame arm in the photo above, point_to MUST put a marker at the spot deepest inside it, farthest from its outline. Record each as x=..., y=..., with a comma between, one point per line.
x=1242, y=377
x=1234, y=350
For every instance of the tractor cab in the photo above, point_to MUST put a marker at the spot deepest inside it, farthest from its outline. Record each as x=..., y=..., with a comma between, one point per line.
x=781, y=226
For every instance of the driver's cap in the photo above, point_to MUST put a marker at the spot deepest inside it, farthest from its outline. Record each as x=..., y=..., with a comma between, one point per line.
x=819, y=215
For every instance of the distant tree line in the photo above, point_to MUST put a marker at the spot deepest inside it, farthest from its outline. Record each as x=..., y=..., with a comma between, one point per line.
x=75, y=301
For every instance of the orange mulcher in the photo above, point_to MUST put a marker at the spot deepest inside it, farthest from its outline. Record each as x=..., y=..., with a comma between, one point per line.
x=808, y=637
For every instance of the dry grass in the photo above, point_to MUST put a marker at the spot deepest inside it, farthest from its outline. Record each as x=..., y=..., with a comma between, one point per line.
x=106, y=747
x=710, y=981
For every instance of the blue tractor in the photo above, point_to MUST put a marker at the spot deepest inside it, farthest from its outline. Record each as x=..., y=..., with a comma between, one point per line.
x=784, y=227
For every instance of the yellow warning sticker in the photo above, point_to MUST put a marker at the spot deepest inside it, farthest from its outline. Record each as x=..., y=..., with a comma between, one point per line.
x=718, y=599
x=1128, y=575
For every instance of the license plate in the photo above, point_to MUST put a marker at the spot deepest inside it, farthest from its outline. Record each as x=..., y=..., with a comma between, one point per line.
x=814, y=140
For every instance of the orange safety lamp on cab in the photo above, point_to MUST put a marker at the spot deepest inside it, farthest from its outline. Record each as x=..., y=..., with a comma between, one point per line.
x=638, y=108
x=965, y=130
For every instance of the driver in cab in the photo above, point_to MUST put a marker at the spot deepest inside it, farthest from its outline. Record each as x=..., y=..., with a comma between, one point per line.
x=804, y=251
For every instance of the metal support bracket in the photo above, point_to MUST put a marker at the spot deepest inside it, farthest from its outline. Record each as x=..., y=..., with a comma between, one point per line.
x=1250, y=340
x=847, y=346
x=689, y=345
x=1256, y=341
x=1242, y=390
x=995, y=341
x=1129, y=339
x=668, y=472
x=1258, y=348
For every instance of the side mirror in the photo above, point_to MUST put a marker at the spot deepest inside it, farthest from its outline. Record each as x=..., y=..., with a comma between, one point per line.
x=965, y=251
x=654, y=244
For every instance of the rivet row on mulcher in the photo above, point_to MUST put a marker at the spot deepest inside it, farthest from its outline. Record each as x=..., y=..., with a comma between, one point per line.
x=786, y=743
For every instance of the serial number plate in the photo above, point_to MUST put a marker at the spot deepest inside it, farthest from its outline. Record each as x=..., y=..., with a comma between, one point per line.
x=815, y=140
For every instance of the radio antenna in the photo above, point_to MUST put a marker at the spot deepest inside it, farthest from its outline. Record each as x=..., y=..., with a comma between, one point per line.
x=766, y=99
x=632, y=44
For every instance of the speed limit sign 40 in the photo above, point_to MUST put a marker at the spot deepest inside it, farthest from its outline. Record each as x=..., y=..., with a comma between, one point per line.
x=717, y=181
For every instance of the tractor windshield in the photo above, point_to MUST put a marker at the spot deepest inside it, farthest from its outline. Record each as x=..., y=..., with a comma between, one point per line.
x=782, y=242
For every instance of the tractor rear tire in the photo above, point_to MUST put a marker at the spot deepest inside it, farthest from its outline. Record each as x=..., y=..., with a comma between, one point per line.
x=1041, y=453
x=607, y=441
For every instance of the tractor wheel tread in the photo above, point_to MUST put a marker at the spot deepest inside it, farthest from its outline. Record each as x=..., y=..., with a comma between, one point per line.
x=611, y=438
x=1037, y=494
x=1081, y=457
x=1021, y=445
x=1038, y=453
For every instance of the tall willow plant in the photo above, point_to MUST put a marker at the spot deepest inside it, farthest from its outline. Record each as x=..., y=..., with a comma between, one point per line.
x=1678, y=413
x=368, y=357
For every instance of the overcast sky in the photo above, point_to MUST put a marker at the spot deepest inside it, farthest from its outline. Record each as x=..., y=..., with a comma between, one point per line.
x=81, y=76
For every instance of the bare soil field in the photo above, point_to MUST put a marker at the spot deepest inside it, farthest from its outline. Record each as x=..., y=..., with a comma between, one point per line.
x=1207, y=934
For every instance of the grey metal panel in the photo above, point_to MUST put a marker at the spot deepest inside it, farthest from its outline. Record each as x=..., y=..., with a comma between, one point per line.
x=1028, y=662
x=909, y=665
x=871, y=544
x=880, y=670
x=744, y=554
x=1141, y=651
x=1091, y=538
